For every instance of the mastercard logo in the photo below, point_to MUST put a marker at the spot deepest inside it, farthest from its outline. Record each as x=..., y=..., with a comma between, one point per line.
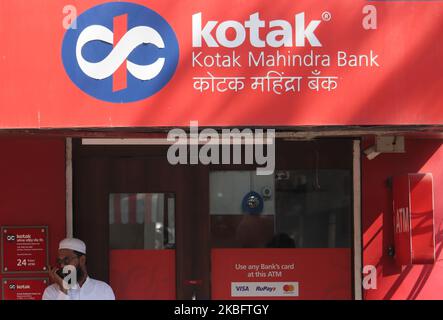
x=288, y=288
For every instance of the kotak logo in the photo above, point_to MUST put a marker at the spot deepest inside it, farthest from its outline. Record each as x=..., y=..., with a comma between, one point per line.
x=120, y=52
x=283, y=33
x=119, y=55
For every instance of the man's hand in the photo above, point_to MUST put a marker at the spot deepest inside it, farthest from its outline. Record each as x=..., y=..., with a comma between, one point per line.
x=55, y=278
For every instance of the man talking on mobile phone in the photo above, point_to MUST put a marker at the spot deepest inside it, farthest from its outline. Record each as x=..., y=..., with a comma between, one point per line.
x=70, y=277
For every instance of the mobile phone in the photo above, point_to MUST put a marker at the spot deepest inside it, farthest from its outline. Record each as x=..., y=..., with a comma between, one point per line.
x=61, y=274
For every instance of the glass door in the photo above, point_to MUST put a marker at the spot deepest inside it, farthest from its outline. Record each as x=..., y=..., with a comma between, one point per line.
x=143, y=221
x=142, y=245
x=286, y=235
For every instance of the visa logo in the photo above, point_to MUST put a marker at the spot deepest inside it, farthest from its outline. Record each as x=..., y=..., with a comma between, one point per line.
x=242, y=288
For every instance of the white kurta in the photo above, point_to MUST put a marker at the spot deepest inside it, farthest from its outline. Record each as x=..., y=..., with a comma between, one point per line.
x=90, y=290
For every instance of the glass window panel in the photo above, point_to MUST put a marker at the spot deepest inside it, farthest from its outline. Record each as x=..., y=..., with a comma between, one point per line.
x=314, y=207
x=302, y=208
x=138, y=221
x=229, y=187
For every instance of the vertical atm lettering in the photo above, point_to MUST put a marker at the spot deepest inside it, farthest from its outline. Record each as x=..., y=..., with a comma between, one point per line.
x=413, y=215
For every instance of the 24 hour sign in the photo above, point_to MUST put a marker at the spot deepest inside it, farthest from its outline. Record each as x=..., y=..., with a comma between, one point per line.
x=24, y=249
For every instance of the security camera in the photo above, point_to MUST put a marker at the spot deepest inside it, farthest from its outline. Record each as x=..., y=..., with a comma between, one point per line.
x=371, y=153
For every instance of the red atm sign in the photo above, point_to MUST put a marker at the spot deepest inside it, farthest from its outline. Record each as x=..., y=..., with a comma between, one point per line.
x=413, y=210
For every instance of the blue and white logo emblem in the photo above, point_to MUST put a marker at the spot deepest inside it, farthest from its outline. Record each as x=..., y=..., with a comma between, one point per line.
x=120, y=52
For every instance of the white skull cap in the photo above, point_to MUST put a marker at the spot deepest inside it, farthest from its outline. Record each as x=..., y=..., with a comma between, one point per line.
x=73, y=244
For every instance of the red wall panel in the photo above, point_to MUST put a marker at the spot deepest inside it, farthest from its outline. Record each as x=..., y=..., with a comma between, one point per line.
x=393, y=281
x=32, y=187
x=143, y=274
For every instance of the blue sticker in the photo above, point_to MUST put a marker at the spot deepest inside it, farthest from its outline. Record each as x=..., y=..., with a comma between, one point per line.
x=147, y=50
x=252, y=203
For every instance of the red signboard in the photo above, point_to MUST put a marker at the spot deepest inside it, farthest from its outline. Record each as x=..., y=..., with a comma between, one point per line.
x=422, y=218
x=24, y=249
x=413, y=209
x=23, y=289
x=250, y=63
x=320, y=273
